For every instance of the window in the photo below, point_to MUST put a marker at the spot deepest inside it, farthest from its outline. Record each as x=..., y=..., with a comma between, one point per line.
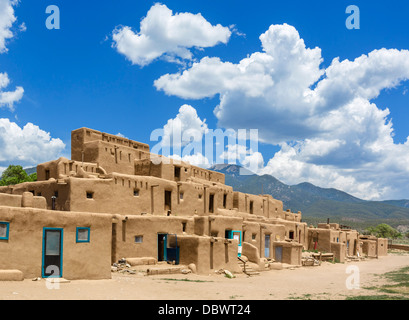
x=253, y=236
x=224, y=200
x=200, y=196
x=136, y=192
x=177, y=173
x=211, y=203
x=184, y=226
x=138, y=239
x=47, y=174
x=83, y=234
x=90, y=195
x=181, y=196
x=4, y=230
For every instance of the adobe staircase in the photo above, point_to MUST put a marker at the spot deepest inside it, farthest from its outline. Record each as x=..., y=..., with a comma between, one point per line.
x=246, y=268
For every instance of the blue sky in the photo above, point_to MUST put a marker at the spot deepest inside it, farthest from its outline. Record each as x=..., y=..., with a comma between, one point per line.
x=77, y=76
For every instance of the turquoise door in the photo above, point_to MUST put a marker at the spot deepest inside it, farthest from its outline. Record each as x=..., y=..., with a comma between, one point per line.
x=237, y=235
x=52, y=252
x=267, y=246
x=162, y=245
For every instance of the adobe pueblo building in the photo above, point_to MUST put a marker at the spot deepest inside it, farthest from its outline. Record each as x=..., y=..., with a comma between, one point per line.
x=115, y=200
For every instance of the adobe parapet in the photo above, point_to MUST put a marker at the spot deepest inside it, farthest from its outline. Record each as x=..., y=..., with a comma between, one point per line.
x=121, y=155
x=81, y=136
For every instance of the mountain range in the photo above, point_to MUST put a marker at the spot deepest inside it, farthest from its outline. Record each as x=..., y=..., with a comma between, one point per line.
x=318, y=204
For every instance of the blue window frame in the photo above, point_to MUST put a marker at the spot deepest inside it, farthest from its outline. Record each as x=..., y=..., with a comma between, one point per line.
x=4, y=230
x=83, y=234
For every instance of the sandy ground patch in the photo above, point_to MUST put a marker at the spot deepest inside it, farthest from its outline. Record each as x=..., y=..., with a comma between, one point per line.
x=325, y=282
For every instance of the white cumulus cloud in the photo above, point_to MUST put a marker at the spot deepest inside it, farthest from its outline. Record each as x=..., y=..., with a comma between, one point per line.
x=9, y=98
x=184, y=128
x=329, y=130
x=26, y=146
x=163, y=33
x=7, y=18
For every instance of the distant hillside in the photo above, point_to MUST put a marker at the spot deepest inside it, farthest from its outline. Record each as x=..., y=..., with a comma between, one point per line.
x=30, y=170
x=318, y=204
x=398, y=203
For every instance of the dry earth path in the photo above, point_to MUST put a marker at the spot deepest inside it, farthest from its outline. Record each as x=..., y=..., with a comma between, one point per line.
x=325, y=282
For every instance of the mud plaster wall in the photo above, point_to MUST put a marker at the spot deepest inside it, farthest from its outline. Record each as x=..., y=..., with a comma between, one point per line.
x=23, y=250
x=147, y=229
x=291, y=252
x=382, y=247
x=209, y=254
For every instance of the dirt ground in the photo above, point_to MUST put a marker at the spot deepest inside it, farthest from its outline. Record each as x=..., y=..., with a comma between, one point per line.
x=325, y=282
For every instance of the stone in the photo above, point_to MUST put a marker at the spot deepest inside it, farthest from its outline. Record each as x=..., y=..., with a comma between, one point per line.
x=229, y=274
x=186, y=271
x=192, y=267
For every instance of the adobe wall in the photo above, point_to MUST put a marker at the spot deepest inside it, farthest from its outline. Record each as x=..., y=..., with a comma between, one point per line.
x=330, y=238
x=368, y=247
x=339, y=251
x=10, y=200
x=382, y=246
x=209, y=254
x=352, y=242
x=291, y=252
x=63, y=167
x=83, y=135
x=403, y=247
x=26, y=199
x=277, y=231
x=47, y=190
x=250, y=203
x=113, y=158
x=23, y=249
x=147, y=227
x=218, y=225
x=319, y=239
x=117, y=195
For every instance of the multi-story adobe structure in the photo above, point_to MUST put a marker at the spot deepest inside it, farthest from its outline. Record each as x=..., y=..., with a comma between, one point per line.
x=115, y=199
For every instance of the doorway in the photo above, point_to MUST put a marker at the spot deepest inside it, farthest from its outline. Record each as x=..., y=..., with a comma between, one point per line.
x=52, y=253
x=279, y=254
x=211, y=203
x=162, y=245
x=113, y=243
x=267, y=246
x=237, y=235
x=168, y=201
x=177, y=173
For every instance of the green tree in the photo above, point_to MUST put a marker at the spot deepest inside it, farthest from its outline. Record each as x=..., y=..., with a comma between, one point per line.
x=16, y=174
x=384, y=230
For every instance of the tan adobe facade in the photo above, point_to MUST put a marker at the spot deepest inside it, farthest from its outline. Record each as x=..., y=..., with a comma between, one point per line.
x=115, y=199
